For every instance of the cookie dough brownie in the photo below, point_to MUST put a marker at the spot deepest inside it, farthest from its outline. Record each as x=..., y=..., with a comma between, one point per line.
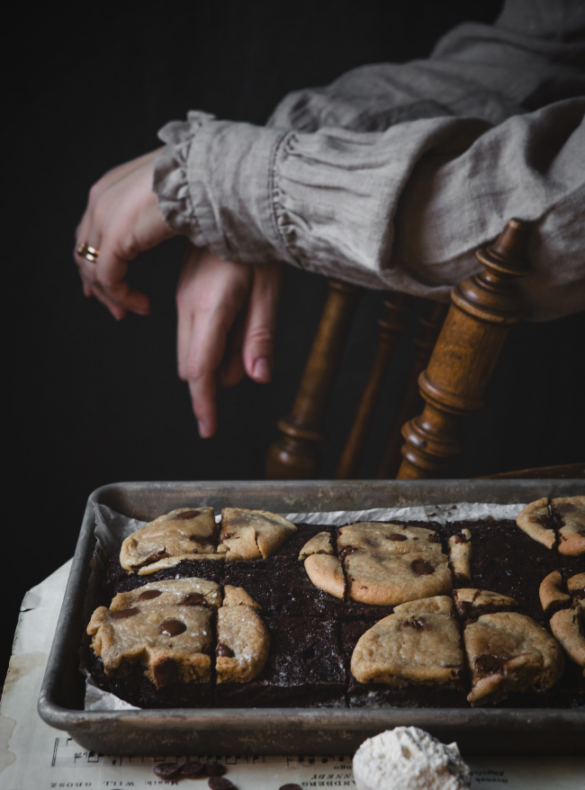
x=305, y=668
x=155, y=637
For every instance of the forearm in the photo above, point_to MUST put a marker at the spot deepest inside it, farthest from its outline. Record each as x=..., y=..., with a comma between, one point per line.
x=401, y=209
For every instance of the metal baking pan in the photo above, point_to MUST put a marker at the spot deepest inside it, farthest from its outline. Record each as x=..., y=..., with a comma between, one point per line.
x=297, y=730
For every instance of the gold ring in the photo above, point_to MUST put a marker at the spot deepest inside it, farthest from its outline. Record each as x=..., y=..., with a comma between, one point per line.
x=89, y=253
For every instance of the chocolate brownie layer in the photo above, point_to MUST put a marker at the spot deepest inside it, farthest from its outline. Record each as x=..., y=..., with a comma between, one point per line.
x=120, y=581
x=134, y=687
x=506, y=560
x=305, y=668
x=281, y=586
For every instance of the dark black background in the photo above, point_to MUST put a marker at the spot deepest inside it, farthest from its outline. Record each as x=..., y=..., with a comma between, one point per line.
x=94, y=401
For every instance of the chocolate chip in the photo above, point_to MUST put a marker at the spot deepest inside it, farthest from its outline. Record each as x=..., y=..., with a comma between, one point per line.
x=567, y=507
x=193, y=599
x=220, y=783
x=122, y=614
x=422, y=567
x=165, y=672
x=290, y=787
x=490, y=665
x=192, y=770
x=395, y=536
x=186, y=515
x=433, y=538
x=172, y=627
x=345, y=551
x=147, y=595
x=417, y=623
x=224, y=650
x=167, y=770
x=214, y=769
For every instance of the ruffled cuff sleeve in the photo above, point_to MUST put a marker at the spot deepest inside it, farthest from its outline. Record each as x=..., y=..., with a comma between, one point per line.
x=215, y=184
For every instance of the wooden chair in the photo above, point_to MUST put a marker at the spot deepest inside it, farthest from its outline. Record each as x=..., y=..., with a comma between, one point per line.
x=453, y=340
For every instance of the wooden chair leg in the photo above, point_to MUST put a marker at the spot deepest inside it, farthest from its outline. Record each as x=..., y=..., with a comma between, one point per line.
x=391, y=325
x=424, y=342
x=294, y=456
x=469, y=345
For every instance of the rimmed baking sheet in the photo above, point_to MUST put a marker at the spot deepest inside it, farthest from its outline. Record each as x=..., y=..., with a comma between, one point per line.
x=292, y=731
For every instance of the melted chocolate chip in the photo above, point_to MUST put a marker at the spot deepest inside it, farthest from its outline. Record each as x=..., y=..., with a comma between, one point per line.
x=345, y=551
x=567, y=507
x=214, y=769
x=167, y=770
x=396, y=536
x=193, y=599
x=220, y=783
x=224, y=650
x=192, y=770
x=422, y=567
x=489, y=665
x=417, y=623
x=122, y=614
x=172, y=627
x=186, y=515
x=147, y=595
x=166, y=671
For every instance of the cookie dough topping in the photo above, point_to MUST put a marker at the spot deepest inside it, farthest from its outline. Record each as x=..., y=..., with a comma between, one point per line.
x=326, y=573
x=472, y=603
x=507, y=651
x=409, y=759
x=570, y=514
x=387, y=564
x=243, y=641
x=535, y=521
x=166, y=626
x=460, y=555
x=568, y=626
x=318, y=544
x=176, y=536
x=252, y=534
x=551, y=593
x=418, y=644
x=576, y=585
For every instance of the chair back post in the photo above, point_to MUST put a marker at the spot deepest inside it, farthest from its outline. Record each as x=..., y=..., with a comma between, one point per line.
x=392, y=324
x=295, y=455
x=424, y=343
x=483, y=309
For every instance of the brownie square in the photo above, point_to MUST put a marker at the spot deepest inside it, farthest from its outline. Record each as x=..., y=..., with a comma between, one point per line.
x=282, y=587
x=134, y=687
x=378, y=695
x=305, y=668
x=120, y=580
x=291, y=548
x=506, y=560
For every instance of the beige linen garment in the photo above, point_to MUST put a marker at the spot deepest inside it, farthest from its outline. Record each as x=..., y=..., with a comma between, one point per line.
x=393, y=176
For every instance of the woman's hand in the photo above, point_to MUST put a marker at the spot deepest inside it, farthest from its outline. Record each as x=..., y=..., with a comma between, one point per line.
x=227, y=319
x=122, y=219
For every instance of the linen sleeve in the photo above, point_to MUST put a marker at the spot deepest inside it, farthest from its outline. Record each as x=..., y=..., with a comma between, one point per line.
x=403, y=209
x=533, y=55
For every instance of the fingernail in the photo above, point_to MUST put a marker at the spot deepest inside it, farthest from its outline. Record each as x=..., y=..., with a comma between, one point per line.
x=202, y=429
x=261, y=369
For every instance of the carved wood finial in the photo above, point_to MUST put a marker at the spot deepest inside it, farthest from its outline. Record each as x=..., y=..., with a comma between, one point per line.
x=295, y=455
x=483, y=308
x=391, y=325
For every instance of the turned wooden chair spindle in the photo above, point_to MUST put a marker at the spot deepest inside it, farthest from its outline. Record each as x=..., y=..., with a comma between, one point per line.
x=483, y=308
x=392, y=324
x=295, y=455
